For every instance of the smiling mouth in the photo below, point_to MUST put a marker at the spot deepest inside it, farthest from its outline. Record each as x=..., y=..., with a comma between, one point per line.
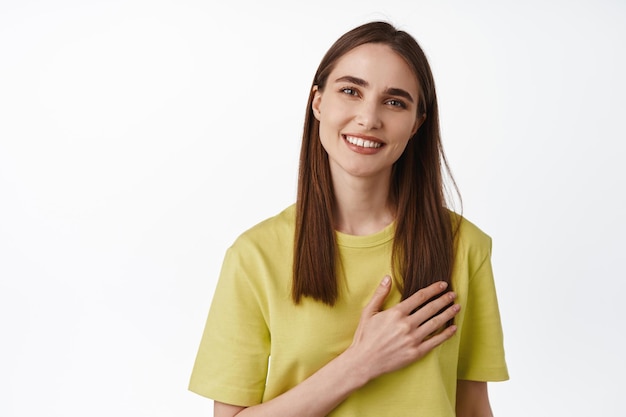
x=363, y=143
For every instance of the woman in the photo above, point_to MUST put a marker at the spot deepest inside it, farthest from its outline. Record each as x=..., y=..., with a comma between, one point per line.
x=339, y=305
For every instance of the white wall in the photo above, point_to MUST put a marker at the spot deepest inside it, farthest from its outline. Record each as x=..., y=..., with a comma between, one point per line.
x=139, y=138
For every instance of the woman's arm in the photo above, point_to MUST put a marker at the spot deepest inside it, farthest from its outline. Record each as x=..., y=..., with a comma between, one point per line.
x=472, y=399
x=383, y=342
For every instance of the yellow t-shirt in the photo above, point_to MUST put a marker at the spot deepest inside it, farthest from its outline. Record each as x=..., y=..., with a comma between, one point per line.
x=258, y=344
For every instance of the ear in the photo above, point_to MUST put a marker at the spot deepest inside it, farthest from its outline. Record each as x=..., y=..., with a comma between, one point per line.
x=316, y=102
x=418, y=123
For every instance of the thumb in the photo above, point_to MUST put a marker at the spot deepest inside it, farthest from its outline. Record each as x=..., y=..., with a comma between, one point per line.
x=376, y=303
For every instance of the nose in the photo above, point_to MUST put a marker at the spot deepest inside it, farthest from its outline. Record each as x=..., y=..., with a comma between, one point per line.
x=368, y=115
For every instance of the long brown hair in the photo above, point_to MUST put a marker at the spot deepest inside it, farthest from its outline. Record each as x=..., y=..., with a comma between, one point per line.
x=423, y=248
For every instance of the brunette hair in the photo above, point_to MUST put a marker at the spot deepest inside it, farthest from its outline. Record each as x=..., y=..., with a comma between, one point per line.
x=423, y=248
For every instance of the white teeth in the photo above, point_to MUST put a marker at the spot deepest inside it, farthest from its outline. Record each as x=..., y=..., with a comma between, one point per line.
x=363, y=143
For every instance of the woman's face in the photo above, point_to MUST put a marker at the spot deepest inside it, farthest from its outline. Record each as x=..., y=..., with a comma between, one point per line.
x=367, y=111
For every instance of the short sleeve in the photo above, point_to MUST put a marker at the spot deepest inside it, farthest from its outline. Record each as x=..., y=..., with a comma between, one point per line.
x=481, y=354
x=232, y=360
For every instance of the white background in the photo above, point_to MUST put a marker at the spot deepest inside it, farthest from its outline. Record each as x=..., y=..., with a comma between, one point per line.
x=139, y=138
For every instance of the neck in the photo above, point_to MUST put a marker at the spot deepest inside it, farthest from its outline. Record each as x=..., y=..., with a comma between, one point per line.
x=362, y=204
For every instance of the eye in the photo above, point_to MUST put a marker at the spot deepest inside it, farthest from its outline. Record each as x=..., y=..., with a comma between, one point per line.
x=397, y=103
x=349, y=91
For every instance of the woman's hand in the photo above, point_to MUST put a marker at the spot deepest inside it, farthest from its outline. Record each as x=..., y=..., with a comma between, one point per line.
x=392, y=339
x=384, y=341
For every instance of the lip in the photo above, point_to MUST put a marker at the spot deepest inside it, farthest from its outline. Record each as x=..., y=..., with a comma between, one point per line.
x=360, y=149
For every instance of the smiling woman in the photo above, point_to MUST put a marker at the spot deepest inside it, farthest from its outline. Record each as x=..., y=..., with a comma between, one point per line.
x=368, y=296
x=367, y=109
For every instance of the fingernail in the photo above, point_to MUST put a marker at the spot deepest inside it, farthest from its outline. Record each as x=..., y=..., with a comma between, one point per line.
x=443, y=285
x=386, y=280
x=452, y=295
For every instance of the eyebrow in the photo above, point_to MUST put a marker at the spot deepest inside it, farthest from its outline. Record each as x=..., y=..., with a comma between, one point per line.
x=362, y=83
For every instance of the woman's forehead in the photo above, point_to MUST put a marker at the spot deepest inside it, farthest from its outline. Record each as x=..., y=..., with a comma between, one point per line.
x=377, y=64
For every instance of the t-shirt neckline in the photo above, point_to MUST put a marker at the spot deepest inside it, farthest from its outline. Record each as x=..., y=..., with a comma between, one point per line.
x=378, y=238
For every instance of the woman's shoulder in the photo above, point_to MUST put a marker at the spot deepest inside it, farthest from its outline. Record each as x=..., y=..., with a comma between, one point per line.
x=274, y=230
x=472, y=248
x=470, y=237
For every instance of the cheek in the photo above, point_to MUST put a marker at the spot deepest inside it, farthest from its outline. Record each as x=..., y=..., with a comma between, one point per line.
x=331, y=122
x=399, y=149
x=326, y=132
x=334, y=111
x=406, y=132
x=402, y=138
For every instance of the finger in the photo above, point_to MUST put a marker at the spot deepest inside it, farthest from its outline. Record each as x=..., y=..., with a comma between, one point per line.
x=437, y=339
x=423, y=295
x=435, y=323
x=431, y=309
x=376, y=303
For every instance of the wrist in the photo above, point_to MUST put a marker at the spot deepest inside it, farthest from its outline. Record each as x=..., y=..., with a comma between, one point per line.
x=355, y=368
